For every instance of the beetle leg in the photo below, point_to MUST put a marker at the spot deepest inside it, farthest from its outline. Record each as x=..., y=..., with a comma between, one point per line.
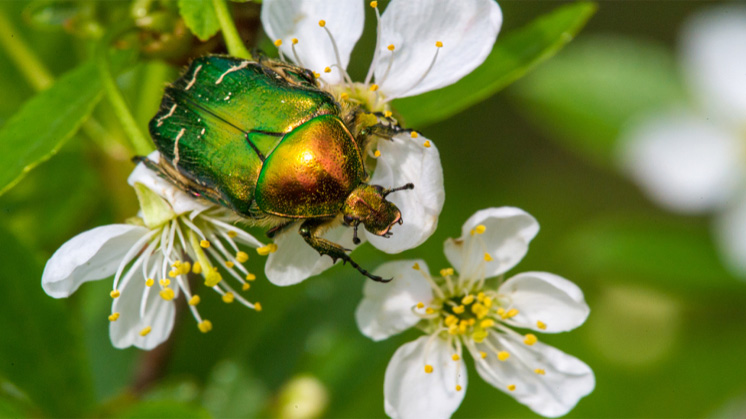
x=310, y=230
x=272, y=232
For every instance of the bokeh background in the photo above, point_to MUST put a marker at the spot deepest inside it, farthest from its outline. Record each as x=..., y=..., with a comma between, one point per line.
x=665, y=337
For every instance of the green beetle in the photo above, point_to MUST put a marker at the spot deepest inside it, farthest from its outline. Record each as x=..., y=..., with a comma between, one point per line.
x=262, y=138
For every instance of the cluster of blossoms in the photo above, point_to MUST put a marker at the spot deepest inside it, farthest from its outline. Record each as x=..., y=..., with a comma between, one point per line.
x=692, y=159
x=476, y=312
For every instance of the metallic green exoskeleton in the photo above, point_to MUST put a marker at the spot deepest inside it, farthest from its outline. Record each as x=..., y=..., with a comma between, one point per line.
x=261, y=138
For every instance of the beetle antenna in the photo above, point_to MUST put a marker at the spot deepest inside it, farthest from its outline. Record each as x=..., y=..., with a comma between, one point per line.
x=355, y=239
x=400, y=188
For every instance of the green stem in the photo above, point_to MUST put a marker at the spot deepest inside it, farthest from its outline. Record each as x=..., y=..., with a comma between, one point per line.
x=233, y=41
x=31, y=68
x=137, y=140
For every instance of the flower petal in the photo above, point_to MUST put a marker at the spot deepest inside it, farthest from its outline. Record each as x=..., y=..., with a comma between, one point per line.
x=714, y=50
x=159, y=316
x=683, y=162
x=410, y=392
x=386, y=309
x=565, y=379
x=179, y=200
x=547, y=298
x=288, y=19
x=91, y=255
x=507, y=233
x=467, y=29
x=730, y=229
x=406, y=160
x=295, y=260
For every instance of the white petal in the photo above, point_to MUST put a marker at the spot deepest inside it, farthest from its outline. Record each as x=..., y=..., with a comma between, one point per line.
x=683, y=162
x=295, y=260
x=406, y=160
x=714, y=50
x=508, y=231
x=288, y=19
x=547, y=298
x=386, y=308
x=180, y=201
x=730, y=229
x=159, y=315
x=467, y=28
x=410, y=392
x=566, y=379
x=94, y=254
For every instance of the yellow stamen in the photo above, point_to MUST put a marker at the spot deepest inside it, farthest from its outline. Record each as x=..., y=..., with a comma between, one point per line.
x=387, y=114
x=487, y=302
x=472, y=321
x=115, y=294
x=479, y=336
x=185, y=268
x=429, y=310
x=113, y=317
x=511, y=387
x=373, y=87
x=467, y=299
x=453, y=329
x=459, y=309
x=503, y=355
x=500, y=311
x=316, y=75
x=391, y=47
x=483, y=354
x=229, y=264
x=416, y=266
x=194, y=300
x=165, y=282
x=205, y=326
x=278, y=42
x=242, y=257
x=428, y=368
x=486, y=323
x=446, y=272
x=439, y=44
x=530, y=339
x=228, y=297
x=322, y=23
x=420, y=305
x=327, y=70
x=541, y=325
x=232, y=233
x=246, y=286
x=510, y=314
x=458, y=387
x=426, y=144
x=414, y=134
x=258, y=306
x=265, y=250
x=344, y=96
x=173, y=273
x=213, y=278
x=451, y=320
x=197, y=268
x=374, y=4
x=480, y=297
x=377, y=154
x=455, y=357
x=144, y=332
x=204, y=244
x=487, y=257
x=250, y=277
x=167, y=294
x=149, y=282
x=540, y=371
x=480, y=229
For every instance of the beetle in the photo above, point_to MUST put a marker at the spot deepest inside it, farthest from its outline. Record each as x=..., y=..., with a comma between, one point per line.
x=264, y=140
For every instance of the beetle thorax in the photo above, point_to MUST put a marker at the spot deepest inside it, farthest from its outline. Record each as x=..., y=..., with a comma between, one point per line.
x=367, y=205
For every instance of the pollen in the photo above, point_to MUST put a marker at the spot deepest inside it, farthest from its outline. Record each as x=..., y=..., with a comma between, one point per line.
x=228, y=297
x=374, y=4
x=258, y=306
x=317, y=75
x=439, y=44
x=388, y=114
x=197, y=268
x=414, y=134
x=229, y=264
x=173, y=273
x=167, y=294
x=540, y=371
x=165, y=282
x=511, y=387
x=459, y=309
x=420, y=305
x=205, y=326
x=455, y=357
x=232, y=234
x=510, y=314
x=373, y=87
x=213, y=278
x=194, y=300
x=145, y=331
x=541, y=325
x=530, y=339
x=483, y=354
x=446, y=272
x=480, y=229
x=327, y=70
x=204, y=244
x=245, y=286
x=265, y=250
x=377, y=154
x=503, y=355
x=426, y=144
x=391, y=47
x=429, y=310
x=185, y=268
x=149, y=282
x=479, y=336
x=486, y=323
x=295, y=41
x=278, y=42
x=416, y=266
x=242, y=257
x=467, y=299
x=458, y=387
x=115, y=294
x=487, y=257
x=451, y=320
x=113, y=317
x=322, y=23
x=487, y=302
x=428, y=369
x=250, y=277
x=344, y=96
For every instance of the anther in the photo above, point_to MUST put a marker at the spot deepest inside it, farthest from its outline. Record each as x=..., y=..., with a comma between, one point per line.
x=530, y=339
x=439, y=44
x=488, y=302
x=467, y=299
x=416, y=266
x=113, y=317
x=487, y=257
x=295, y=41
x=503, y=355
x=144, y=332
x=204, y=244
x=458, y=387
x=316, y=75
x=451, y=320
x=374, y=4
x=197, y=268
x=483, y=354
x=173, y=273
x=167, y=294
x=322, y=23
x=213, y=278
x=480, y=297
x=229, y=264
x=510, y=314
x=373, y=87
x=165, y=282
x=344, y=96
x=115, y=294
x=278, y=42
x=258, y=306
x=429, y=310
x=511, y=387
x=459, y=309
x=426, y=144
x=387, y=114
x=540, y=371
x=327, y=70
x=376, y=154
x=446, y=272
x=484, y=324
x=541, y=325
x=428, y=368
x=391, y=47
x=194, y=300
x=250, y=277
x=480, y=229
x=242, y=257
x=185, y=268
x=414, y=134
x=455, y=357
x=205, y=326
x=228, y=297
x=265, y=250
x=245, y=286
x=232, y=234
x=420, y=305
x=149, y=282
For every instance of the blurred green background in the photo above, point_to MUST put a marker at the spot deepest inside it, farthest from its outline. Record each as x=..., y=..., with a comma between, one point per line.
x=665, y=335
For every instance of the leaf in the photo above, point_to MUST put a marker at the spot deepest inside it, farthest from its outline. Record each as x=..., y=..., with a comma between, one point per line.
x=164, y=409
x=41, y=348
x=587, y=94
x=45, y=122
x=200, y=17
x=513, y=56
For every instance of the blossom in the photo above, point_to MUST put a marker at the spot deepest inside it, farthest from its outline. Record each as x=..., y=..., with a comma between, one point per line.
x=151, y=258
x=692, y=159
x=421, y=45
x=464, y=310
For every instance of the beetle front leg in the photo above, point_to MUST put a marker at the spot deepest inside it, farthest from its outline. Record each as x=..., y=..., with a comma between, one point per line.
x=310, y=230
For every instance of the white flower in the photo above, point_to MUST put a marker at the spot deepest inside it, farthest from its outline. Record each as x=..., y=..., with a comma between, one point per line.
x=422, y=45
x=468, y=313
x=150, y=260
x=693, y=159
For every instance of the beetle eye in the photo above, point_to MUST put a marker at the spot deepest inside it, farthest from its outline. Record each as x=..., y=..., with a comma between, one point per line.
x=378, y=188
x=349, y=219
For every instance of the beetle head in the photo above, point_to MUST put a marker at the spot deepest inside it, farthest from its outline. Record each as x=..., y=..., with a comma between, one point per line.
x=367, y=204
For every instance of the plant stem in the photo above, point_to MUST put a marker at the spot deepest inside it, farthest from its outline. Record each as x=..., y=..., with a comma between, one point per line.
x=27, y=62
x=233, y=41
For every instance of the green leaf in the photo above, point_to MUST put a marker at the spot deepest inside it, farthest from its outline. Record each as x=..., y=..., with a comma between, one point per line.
x=164, y=409
x=589, y=92
x=45, y=122
x=513, y=56
x=200, y=17
x=40, y=348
